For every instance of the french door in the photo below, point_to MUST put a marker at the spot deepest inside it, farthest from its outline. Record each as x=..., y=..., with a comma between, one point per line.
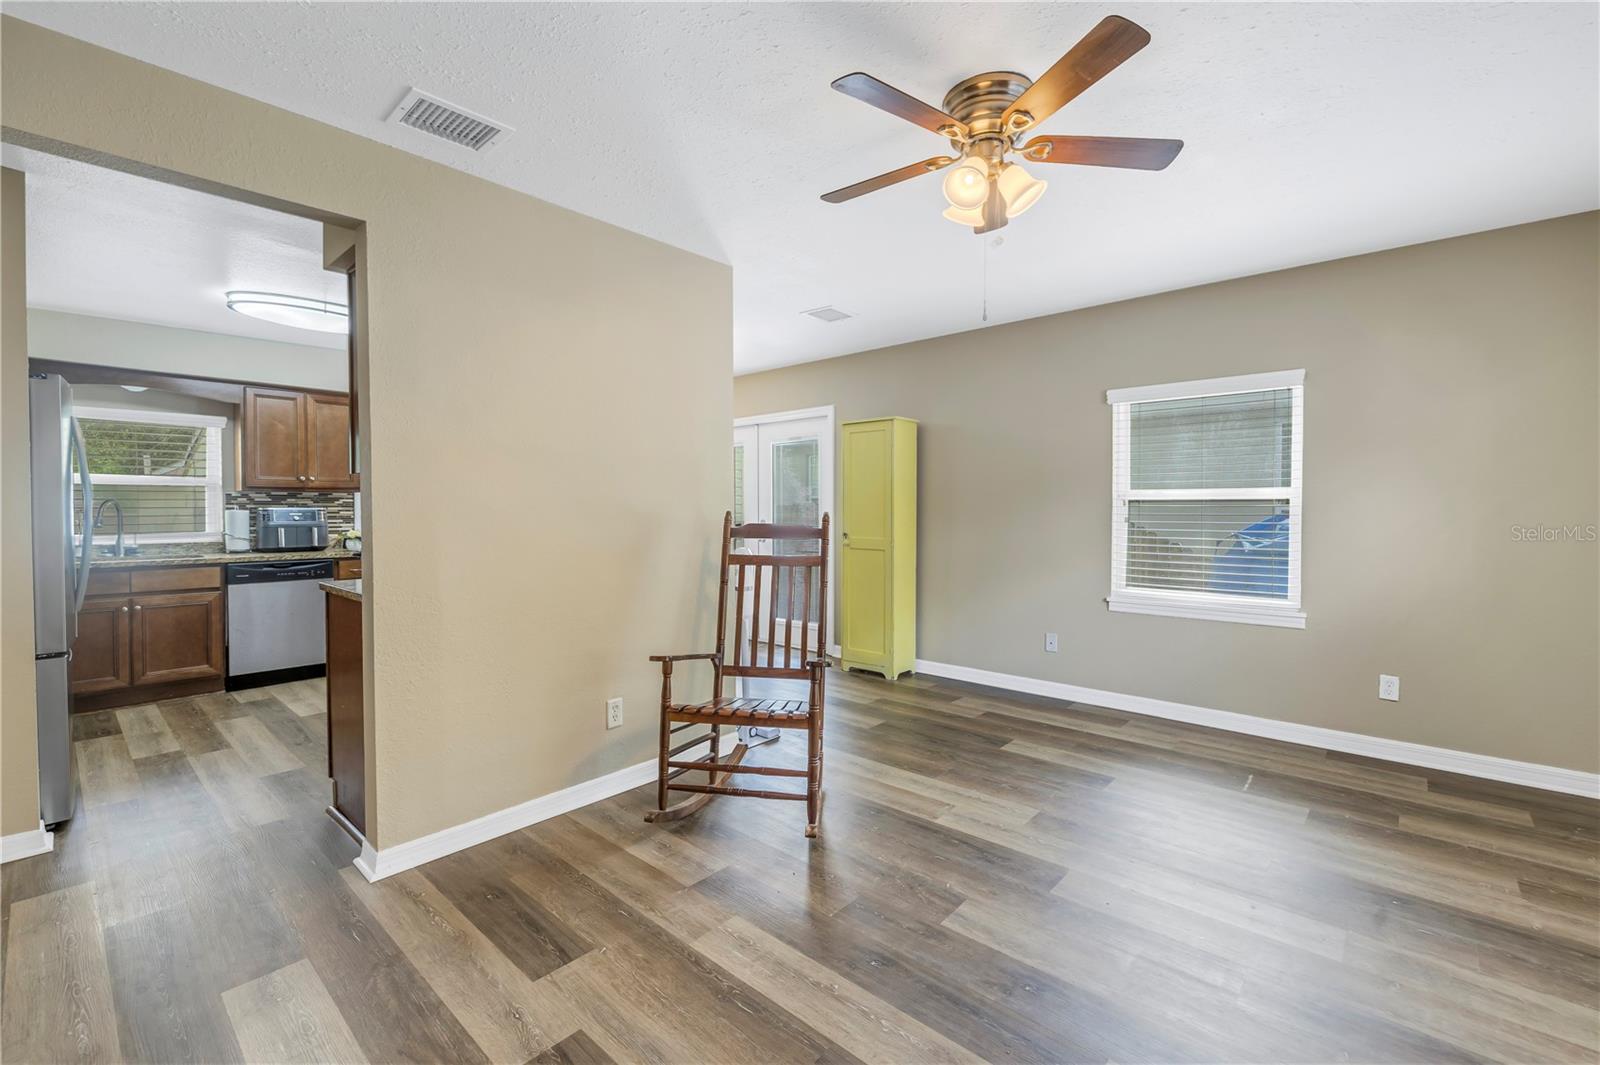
x=783, y=474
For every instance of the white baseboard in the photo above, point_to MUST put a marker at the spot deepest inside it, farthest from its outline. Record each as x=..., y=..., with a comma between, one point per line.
x=26, y=844
x=376, y=864
x=1529, y=774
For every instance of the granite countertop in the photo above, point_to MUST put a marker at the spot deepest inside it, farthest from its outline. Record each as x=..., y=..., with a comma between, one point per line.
x=218, y=558
x=343, y=589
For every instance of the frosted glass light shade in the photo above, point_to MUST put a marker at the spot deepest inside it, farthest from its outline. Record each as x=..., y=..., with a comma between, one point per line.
x=967, y=183
x=1020, y=189
x=971, y=216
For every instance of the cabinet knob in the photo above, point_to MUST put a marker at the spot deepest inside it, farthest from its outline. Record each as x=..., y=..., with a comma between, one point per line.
x=302, y=477
x=124, y=610
x=136, y=608
x=311, y=478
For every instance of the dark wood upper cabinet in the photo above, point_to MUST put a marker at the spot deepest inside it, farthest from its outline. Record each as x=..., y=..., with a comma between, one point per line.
x=177, y=637
x=295, y=440
x=328, y=438
x=272, y=431
x=101, y=660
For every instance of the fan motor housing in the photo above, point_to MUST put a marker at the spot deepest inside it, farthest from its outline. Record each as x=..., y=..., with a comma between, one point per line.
x=981, y=100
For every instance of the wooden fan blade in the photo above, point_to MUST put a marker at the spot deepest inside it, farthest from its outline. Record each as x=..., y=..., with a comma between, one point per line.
x=1101, y=51
x=885, y=97
x=1132, y=153
x=893, y=177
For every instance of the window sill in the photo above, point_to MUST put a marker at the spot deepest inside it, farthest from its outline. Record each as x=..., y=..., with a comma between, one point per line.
x=1201, y=609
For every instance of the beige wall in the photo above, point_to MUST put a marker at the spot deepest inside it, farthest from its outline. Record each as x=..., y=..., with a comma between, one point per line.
x=545, y=404
x=1451, y=394
x=19, y=751
x=167, y=349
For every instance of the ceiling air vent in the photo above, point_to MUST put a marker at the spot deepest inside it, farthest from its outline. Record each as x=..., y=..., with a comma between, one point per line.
x=828, y=314
x=454, y=124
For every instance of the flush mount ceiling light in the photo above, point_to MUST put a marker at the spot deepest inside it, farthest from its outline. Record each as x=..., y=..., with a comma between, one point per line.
x=300, y=312
x=985, y=116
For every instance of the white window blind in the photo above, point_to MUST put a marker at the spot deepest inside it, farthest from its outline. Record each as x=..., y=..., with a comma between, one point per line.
x=1206, y=519
x=163, y=469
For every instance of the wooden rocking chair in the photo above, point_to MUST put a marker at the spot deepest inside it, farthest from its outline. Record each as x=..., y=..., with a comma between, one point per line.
x=802, y=579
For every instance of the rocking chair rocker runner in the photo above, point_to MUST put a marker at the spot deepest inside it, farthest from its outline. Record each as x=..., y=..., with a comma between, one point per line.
x=784, y=652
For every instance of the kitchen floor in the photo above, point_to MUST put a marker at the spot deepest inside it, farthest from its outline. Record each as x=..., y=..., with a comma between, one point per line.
x=999, y=877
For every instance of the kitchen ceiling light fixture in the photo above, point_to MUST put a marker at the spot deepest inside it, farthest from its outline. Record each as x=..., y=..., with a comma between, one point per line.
x=985, y=116
x=299, y=312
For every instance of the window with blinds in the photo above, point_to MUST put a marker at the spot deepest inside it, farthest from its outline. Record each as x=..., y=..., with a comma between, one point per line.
x=1206, y=499
x=163, y=469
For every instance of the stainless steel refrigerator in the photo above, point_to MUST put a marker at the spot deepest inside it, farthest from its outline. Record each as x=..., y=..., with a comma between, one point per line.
x=60, y=581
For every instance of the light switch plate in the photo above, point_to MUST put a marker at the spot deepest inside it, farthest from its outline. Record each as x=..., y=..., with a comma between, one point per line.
x=613, y=713
x=1389, y=688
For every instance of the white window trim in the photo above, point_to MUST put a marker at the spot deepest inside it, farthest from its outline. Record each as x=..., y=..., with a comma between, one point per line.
x=213, y=424
x=1204, y=606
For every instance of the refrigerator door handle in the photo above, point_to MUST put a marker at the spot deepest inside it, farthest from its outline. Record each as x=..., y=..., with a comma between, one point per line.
x=86, y=549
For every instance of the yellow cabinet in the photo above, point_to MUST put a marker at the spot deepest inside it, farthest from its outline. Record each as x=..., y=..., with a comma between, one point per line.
x=878, y=546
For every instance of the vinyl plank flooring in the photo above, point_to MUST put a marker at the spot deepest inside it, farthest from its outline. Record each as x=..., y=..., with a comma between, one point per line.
x=865, y=1025
x=999, y=876
x=237, y=789
x=260, y=750
x=492, y=998
x=58, y=998
x=193, y=728
x=576, y=1049
x=288, y=1017
x=145, y=731
x=105, y=771
x=165, y=1014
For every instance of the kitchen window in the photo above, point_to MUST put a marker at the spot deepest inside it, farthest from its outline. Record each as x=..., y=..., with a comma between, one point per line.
x=1205, y=499
x=164, y=470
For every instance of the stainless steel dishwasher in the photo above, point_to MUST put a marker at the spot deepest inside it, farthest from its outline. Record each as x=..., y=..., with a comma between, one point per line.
x=276, y=621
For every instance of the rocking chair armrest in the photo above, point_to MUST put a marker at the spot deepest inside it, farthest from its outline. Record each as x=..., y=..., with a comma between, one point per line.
x=711, y=655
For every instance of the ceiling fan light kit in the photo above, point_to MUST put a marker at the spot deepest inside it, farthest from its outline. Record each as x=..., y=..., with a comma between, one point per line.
x=985, y=116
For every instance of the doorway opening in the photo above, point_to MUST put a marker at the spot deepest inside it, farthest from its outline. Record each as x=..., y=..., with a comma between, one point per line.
x=195, y=482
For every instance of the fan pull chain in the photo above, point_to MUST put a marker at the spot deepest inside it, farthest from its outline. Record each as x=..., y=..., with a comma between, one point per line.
x=985, y=279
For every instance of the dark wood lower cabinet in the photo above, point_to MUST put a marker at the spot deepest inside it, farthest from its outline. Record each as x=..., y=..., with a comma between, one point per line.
x=347, y=757
x=101, y=658
x=166, y=639
x=178, y=636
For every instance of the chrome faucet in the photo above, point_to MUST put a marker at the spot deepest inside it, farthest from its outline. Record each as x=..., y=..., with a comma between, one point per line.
x=99, y=519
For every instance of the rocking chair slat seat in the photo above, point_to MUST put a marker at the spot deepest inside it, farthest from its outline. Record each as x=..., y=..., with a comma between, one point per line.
x=732, y=711
x=766, y=589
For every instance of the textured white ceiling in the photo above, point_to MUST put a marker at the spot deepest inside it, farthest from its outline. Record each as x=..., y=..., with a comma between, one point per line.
x=115, y=245
x=1313, y=131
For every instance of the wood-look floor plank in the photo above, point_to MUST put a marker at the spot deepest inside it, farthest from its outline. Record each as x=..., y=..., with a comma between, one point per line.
x=999, y=875
x=576, y=1049
x=145, y=731
x=167, y=1015
x=492, y=998
x=105, y=771
x=671, y=853
x=865, y=1025
x=237, y=789
x=287, y=1016
x=261, y=751
x=58, y=1002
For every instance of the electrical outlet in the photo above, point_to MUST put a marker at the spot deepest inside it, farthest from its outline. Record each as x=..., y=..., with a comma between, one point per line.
x=1389, y=688
x=613, y=713
x=1051, y=643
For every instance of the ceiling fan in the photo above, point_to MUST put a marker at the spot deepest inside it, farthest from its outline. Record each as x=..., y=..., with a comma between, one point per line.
x=985, y=116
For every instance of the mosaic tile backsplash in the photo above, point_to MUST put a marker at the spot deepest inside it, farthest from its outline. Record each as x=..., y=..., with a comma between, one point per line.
x=341, y=506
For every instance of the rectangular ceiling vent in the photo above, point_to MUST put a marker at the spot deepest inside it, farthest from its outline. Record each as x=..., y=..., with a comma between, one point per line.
x=828, y=314
x=454, y=124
